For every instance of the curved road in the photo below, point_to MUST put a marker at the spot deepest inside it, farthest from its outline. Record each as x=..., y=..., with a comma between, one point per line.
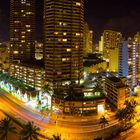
x=49, y=126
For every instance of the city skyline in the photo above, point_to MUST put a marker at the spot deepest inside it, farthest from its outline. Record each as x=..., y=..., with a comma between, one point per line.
x=100, y=15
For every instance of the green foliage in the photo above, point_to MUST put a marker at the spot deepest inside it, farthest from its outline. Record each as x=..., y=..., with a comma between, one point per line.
x=6, y=127
x=125, y=115
x=29, y=132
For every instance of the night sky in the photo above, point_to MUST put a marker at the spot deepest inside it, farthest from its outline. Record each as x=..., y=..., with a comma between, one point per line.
x=120, y=15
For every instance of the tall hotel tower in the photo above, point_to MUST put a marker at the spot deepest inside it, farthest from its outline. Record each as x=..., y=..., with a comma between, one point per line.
x=22, y=30
x=128, y=61
x=63, y=40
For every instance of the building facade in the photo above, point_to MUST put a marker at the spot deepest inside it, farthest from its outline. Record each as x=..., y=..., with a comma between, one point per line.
x=33, y=76
x=63, y=40
x=137, y=40
x=22, y=30
x=115, y=91
x=88, y=40
x=108, y=45
x=128, y=62
x=38, y=50
x=111, y=39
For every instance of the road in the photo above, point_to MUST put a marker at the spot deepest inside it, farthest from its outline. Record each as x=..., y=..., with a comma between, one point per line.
x=131, y=134
x=68, y=127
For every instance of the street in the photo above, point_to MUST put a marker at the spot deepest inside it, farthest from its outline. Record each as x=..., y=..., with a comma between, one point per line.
x=80, y=129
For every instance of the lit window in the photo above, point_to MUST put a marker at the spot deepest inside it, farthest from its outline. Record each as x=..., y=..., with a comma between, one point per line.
x=64, y=59
x=28, y=13
x=60, y=23
x=64, y=33
x=22, y=36
x=15, y=52
x=76, y=46
x=28, y=30
x=15, y=30
x=77, y=34
x=78, y=3
x=64, y=40
x=22, y=41
x=28, y=26
x=56, y=33
x=64, y=24
x=23, y=32
x=16, y=21
x=68, y=50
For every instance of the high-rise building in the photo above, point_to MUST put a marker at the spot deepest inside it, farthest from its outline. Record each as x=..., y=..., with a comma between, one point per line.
x=108, y=45
x=22, y=30
x=113, y=60
x=111, y=39
x=137, y=40
x=38, y=50
x=63, y=40
x=128, y=61
x=101, y=44
x=88, y=40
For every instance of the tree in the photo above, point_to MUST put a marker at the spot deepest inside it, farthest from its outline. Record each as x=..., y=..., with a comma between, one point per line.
x=56, y=137
x=121, y=115
x=6, y=127
x=130, y=109
x=125, y=115
x=103, y=121
x=29, y=132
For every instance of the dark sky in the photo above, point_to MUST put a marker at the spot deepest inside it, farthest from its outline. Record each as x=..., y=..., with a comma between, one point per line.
x=120, y=15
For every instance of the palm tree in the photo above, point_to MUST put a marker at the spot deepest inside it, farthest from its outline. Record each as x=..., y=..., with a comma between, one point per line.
x=103, y=121
x=6, y=127
x=125, y=115
x=130, y=109
x=56, y=137
x=29, y=132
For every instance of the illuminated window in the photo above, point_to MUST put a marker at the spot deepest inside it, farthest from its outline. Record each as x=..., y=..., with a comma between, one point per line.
x=28, y=13
x=68, y=50
x=77, y=34
x=28, y=30
x=60, y=23
x=64, y=40
x=78, y=3
x=23, y=32
x=15, y=52
x=16, y=21
x=64, y=59
x=76, y=46
x=28, y=26
x=64, y=33
x=56, y=33
x=22, y=41
x=15, y=30
x=64, y=24
x=22, y=36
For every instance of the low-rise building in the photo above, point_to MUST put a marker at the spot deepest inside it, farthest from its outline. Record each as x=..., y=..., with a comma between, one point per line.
x=116, y=91
x=93, y=63
x=32, y=75
x=84, y=103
